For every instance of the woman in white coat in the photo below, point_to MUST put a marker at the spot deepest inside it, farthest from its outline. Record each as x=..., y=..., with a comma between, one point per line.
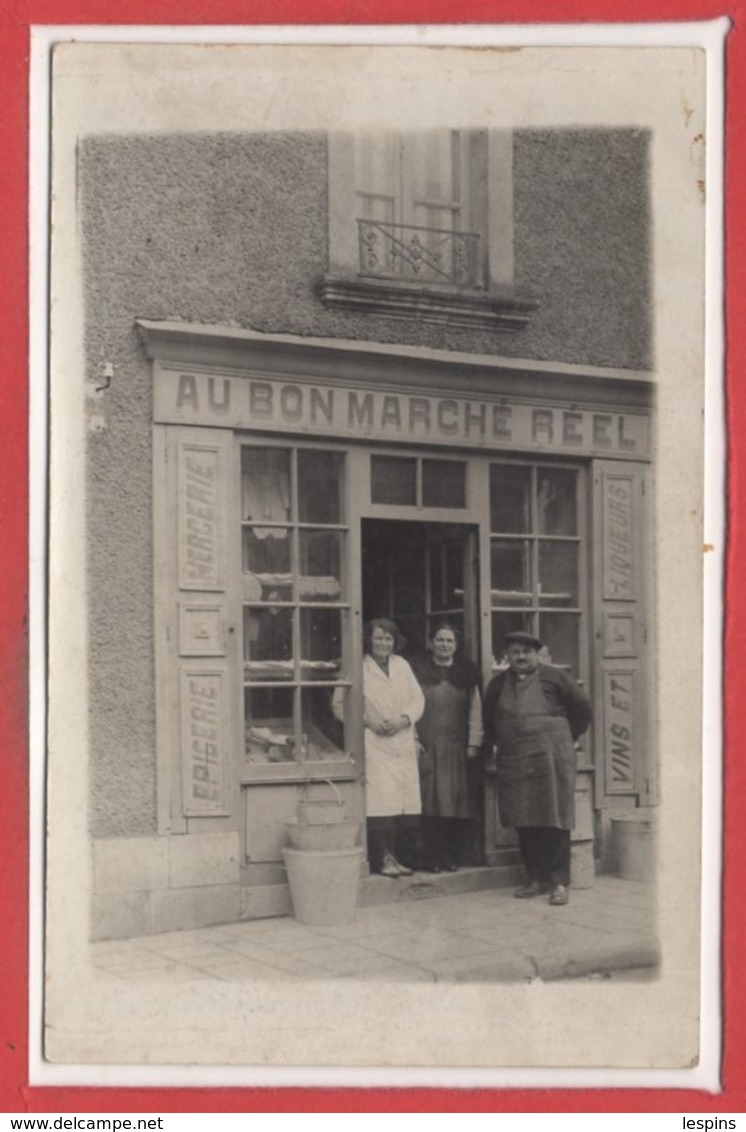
x=393, y=702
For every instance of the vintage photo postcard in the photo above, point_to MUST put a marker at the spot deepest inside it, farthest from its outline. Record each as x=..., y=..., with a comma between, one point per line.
x=376, y=485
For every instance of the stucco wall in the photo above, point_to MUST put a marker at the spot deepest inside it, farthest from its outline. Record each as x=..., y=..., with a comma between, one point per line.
x=582, y=232
x=231, y=229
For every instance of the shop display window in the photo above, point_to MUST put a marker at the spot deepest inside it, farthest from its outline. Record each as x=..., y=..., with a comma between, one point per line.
x=558, y=571
x=536, y=559
x=511, y=572
x=560, y=636
x=510, y=499
x=556, y=501
x=321, y=561
x=295, y=623
x=320, y=486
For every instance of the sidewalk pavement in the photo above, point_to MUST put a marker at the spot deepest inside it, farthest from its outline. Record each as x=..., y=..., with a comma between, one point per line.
x=607, y=931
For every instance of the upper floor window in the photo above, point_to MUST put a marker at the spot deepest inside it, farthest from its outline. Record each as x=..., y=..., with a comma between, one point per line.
x=416, y=214
x=421, y=223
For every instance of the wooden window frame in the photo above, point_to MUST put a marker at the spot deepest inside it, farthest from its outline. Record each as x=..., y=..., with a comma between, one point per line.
x=534, y=537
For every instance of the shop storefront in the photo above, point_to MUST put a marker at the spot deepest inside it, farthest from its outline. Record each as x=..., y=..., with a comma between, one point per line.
x=302, y=486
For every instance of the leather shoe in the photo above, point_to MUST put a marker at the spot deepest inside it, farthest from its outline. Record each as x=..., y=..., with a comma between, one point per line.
x=390, y=867
x=559, y=895
x=533, y=888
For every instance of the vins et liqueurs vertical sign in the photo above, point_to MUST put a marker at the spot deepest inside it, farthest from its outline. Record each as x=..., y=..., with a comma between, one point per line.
x=620, y=595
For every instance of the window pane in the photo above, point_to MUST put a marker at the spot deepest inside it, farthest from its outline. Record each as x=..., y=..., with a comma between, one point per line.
x=268, y=643
x=377, y=165
x=319, y=486
x=511, y=573
x=393, y=479
x=446, y=576
x=267, y=564
x=321, y=565
x=559, y=634
x=265, y=487
x=269, y=725
x=510, y=499
x=503, y=623
x=321, y=643
x=558, y=573
x=322, y=733
x=443, y=483
x=377, y=185
x=435, y=161
x=557, y=501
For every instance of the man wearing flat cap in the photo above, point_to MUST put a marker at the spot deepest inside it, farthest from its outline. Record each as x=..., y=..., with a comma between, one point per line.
x=533, y=715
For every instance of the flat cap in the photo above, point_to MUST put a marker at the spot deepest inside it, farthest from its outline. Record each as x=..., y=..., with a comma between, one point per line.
x=520, y=638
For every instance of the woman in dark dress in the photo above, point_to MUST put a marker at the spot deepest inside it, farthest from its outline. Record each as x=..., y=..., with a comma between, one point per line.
x=450, y=733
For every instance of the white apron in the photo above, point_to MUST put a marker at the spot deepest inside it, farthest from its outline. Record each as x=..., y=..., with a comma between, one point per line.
x=392, y=777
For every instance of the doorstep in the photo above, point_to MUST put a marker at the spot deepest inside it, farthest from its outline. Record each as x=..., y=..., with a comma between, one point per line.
x=259, y=902
x=424, y=886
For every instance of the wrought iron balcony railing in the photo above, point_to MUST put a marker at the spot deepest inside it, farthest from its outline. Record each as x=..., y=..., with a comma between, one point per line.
x=414, y=252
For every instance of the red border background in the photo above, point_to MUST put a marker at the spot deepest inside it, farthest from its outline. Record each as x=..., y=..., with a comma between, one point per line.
x=15, y=1093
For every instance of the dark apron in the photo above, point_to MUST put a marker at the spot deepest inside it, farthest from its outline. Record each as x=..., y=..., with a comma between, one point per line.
x=536, y=760
x=443, y=731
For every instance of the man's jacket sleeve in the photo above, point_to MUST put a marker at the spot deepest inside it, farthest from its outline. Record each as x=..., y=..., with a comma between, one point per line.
x=577, y=706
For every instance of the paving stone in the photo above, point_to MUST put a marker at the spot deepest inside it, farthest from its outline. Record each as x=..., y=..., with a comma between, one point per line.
x=186, y=951
x=294, y=963
x=484, y=969
x=394, y=973
x=137, y=961
x=285, y=937
x=446, y=945
x=239, y=967
x=342, y=958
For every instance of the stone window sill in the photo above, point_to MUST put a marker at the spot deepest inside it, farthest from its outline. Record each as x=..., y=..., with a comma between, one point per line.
x=429, y=303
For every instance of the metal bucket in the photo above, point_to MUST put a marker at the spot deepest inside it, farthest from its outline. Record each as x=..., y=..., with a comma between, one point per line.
x=321, y=811
x=635, y=842
x=332, y=835
x=323, y=884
